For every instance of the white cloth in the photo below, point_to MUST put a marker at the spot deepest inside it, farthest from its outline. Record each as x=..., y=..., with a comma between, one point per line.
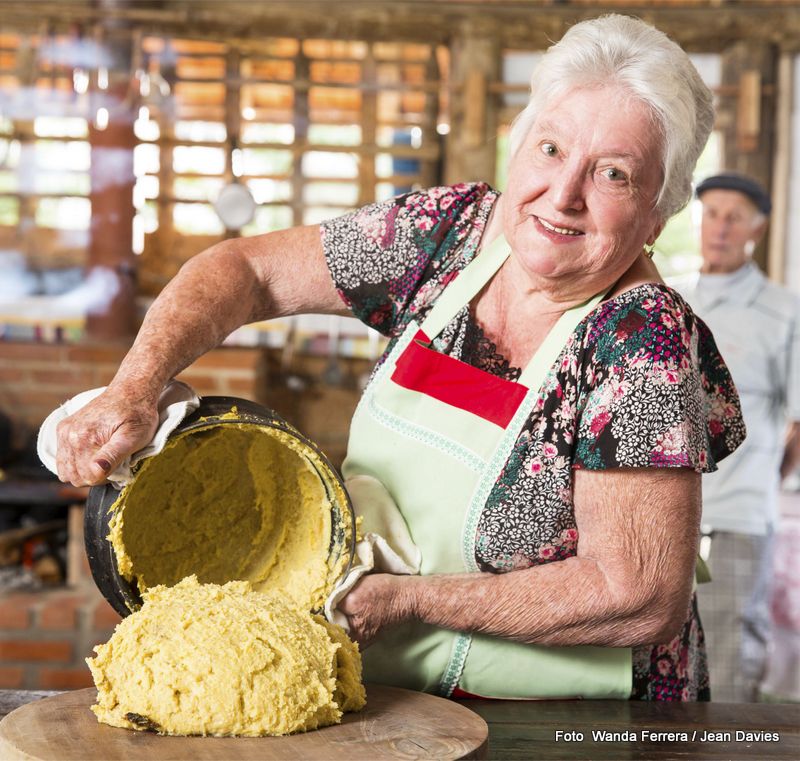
x=756, y=326
x=386, y=546
x=177, y=400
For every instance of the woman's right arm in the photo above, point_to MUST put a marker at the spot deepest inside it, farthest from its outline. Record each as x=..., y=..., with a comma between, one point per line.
x=231, y=284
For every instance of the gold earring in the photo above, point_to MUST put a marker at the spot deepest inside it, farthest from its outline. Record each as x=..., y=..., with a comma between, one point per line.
x=649, y=251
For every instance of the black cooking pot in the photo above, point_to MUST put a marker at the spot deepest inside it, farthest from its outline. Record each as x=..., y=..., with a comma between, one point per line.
x=123, y=595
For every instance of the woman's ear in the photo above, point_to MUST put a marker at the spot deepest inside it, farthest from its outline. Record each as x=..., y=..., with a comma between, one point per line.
x=656, y=231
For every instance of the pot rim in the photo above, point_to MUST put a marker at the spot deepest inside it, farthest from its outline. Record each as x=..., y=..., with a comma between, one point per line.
x=123, y=595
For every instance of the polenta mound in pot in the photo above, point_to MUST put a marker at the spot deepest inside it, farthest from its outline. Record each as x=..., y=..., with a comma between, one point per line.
x=233, y=501
x=205, y=659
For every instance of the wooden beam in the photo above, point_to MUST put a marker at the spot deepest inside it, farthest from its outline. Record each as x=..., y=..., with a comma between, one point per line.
x=781, y=170
x=112, y=180
x=529, y=24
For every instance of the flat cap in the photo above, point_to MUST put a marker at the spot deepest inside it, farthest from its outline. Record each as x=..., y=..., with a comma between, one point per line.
x=741, y=183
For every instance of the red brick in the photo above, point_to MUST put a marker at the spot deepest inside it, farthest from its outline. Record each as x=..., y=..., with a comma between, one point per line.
x=14, y=618
x=65, y=679
x=74, y=377
x=43, y=650
x=11, y=677
x=36, y=351
x=11, y=374
x=105, y=617
x=15, y=611
x=97, y=355
x=61, y=612
x=41, y=398
x=229, y=358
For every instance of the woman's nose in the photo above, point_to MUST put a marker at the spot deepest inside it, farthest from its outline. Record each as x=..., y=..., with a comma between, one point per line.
x=567, y=187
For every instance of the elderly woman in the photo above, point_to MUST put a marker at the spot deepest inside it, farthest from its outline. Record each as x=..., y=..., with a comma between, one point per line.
x=545, y=408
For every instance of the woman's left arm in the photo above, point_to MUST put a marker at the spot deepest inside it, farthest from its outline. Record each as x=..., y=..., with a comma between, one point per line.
x=629, y=584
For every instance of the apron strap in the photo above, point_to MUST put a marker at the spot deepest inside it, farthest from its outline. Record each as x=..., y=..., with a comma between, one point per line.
x=466, y=286
x=535, y=373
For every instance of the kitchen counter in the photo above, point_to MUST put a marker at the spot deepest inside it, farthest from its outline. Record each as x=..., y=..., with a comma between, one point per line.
x=563, y=729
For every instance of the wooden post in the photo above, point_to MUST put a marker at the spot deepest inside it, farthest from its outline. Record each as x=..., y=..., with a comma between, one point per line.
x=112, y=313
x=369, y=129
x=781, y=166
x=167, y=116
x=472, y=145
x=302, y=114
x=233, y=116
x=26, y=74
x=430, y=170
x=748, y=118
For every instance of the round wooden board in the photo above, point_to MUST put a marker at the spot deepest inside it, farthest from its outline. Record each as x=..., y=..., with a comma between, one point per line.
x=396, y=724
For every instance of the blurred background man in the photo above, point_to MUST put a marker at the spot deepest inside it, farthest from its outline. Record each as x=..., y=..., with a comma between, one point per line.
x=756, y=325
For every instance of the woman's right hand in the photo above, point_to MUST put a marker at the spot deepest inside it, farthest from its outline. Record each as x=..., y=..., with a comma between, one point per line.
x=234, y=282
x=94, y=440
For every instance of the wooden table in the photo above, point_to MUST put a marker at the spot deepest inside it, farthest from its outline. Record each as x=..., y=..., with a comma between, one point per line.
x=563, y=729
x=552, y=730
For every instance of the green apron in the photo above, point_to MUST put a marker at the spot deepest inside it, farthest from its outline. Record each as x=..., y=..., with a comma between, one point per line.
x=436, y=433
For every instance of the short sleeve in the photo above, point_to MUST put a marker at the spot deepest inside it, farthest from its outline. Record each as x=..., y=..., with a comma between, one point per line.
x=655, y=391
x=391, y=258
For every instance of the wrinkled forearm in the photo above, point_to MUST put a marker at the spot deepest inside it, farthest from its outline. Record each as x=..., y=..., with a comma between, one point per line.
x=629, y=584
x=214, y=293
x=569, y=602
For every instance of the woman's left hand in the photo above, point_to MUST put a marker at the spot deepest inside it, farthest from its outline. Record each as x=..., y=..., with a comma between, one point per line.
x=377, y=601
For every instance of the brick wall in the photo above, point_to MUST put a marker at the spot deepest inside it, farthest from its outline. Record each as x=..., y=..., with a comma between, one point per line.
x=37, y=378
x=45, y=636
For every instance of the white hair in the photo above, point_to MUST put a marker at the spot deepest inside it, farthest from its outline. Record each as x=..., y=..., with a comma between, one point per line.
x=622, y=51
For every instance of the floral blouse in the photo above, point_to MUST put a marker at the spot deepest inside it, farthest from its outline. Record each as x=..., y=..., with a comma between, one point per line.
x=639, y=383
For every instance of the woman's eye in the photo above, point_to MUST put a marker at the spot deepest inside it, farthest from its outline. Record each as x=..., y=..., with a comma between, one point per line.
x=549, y=149
x=614, y=174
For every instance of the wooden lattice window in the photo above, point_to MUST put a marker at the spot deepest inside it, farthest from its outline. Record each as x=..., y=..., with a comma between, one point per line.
x=313, y=127
x=45, y=210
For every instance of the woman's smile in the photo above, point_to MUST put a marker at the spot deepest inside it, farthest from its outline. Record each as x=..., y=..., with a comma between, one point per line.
x=555, y=233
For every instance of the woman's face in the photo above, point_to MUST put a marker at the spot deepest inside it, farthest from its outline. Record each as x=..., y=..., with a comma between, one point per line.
x=582, y=188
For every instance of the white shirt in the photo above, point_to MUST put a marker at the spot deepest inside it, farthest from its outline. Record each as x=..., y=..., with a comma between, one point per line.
x=756, y=325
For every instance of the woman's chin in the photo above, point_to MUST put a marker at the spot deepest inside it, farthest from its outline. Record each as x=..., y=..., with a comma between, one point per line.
x=550, y=265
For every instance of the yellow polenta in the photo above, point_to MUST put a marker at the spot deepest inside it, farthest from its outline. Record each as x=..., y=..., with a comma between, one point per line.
x=224, y=660
x=232, y=501
x=227, y=534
